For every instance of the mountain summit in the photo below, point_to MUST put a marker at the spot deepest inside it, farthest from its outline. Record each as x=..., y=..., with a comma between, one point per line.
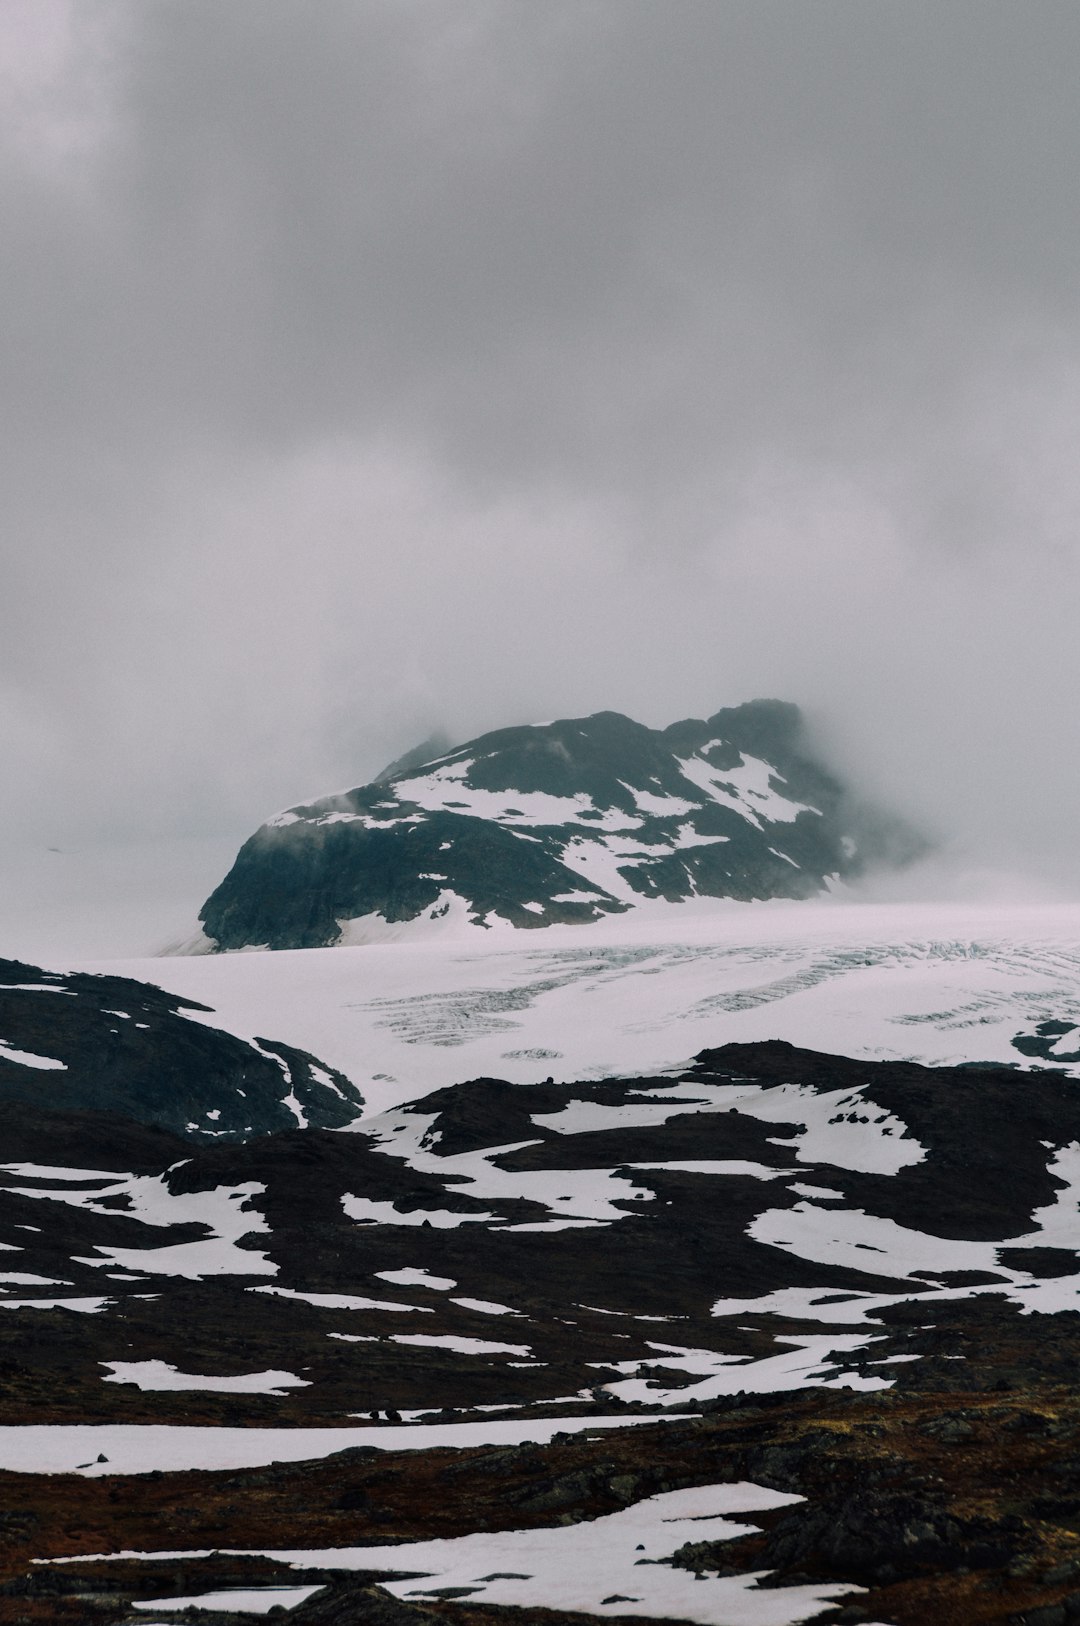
x=562, y=822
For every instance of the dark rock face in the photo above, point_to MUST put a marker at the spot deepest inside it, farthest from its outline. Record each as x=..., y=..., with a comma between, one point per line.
x=97, y=1044
x=559, y=823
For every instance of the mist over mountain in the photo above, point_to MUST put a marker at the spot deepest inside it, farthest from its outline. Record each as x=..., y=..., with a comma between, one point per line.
x=557, y=823
x=631, y=358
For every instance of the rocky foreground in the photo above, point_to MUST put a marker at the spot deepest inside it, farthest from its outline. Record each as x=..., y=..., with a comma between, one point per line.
x=778, y=1337
x=944, y=1503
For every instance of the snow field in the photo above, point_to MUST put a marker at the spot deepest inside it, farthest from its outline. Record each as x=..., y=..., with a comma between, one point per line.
x=938, y=983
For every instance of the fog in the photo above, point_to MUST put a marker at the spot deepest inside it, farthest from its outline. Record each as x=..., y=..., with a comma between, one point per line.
x=382, y=366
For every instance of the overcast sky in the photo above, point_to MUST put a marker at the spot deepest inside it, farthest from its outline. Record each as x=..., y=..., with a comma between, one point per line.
x=372, y=366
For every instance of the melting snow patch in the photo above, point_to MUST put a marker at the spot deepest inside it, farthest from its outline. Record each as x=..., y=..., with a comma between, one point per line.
x=855, y=1240
x=581, y=1117
x=370, y=1212
x=463, y=1346
x=82, y=1306
x=243, y=1600
x=40, y=988
x=412, y=1277
x=615, y=1565
x=485, y=1307
x=26, y=1058
x=808, y=1363
x=155, y=1375
x=137, y=1448
x=747, y=790
x=446, y=787
x=819, y=1304
x=343, y=1301
x=730, y=1166
x=663, y=807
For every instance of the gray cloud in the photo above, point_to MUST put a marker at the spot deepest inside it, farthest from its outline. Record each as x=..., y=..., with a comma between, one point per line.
x=393, y=363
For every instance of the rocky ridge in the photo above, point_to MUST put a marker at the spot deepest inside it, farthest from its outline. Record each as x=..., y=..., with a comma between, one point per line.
x=76, y=1042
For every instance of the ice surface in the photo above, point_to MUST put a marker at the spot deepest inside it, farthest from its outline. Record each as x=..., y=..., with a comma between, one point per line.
x=940, y=984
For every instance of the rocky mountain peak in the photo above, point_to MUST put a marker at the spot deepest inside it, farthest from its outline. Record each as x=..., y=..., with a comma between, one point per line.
x=556, y=823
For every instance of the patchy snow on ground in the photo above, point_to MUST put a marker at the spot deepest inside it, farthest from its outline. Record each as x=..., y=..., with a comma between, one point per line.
x=617, y=1564
x=811, y=1362
x=223, y=1212
x=581, y=1194
x=612, y=1565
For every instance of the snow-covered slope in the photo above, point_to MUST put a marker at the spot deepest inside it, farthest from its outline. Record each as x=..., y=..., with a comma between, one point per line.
x=935, y=984
x=565, y=822
x=939, y=984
